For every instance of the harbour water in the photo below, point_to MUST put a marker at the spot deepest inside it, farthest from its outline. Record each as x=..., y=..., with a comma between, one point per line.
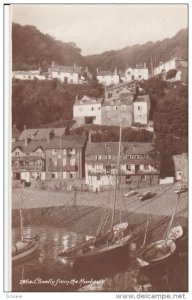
x=46, y=271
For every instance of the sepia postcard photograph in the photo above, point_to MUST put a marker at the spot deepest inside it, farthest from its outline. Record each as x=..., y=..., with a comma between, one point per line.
x=98, y=148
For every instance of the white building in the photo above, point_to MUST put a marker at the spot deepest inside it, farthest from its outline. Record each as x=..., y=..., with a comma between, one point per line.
x=136, y=165
x=87, y=111
x=135, y=74
x=173, y=63
x=141, y=108
x=28, y=75
x=67, y=74
x=107, y=77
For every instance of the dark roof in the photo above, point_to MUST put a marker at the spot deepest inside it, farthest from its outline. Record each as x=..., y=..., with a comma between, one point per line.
x=66, y=69
x=120, y=85
x=88, y=100
x=69, y=141
x=105, y=73
x=15, y=132
x=42, y=133
x=112, y=148
x=121, y=99
x=142, y=98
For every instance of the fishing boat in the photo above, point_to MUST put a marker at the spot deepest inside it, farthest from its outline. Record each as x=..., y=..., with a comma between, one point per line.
x=26, y=246
x=112, y=238
x=158, y=252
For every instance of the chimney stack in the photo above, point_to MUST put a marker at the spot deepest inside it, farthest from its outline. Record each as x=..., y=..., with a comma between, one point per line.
x=27, y=140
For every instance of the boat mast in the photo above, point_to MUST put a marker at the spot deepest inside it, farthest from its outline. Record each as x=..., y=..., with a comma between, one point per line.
x=21, y=217
x=172, y=218
x=117, y=174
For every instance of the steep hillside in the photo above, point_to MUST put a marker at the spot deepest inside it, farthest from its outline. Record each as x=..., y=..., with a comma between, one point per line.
x=176, y=46
x=31, y=49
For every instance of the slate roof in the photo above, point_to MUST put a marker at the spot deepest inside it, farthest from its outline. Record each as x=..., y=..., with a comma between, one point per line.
x=88, y=100
x=42, y=133
x=66, y=142
x=15, y=132
x=112, y=148
x=105, y=73
x=66, y=69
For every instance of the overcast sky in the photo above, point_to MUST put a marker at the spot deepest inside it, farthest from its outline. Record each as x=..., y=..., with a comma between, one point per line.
x=98, y=28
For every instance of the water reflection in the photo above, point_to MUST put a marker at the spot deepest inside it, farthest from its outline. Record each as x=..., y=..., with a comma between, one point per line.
x=48, y=267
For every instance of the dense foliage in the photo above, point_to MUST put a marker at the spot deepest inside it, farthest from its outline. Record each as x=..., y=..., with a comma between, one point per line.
x=102, y=133
x=40, y=103
x=32, y=49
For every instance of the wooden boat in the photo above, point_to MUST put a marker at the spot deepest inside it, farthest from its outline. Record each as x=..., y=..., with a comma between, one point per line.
x=25, y=247
x=107, y=243
x=145, y=196
x=160, y=251
x=131, y=193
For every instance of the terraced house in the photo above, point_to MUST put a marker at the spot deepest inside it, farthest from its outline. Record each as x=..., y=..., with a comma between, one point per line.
x=138, y=167
x=47, y=153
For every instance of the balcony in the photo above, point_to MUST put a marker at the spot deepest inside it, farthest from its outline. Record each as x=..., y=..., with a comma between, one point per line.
x=62, y=168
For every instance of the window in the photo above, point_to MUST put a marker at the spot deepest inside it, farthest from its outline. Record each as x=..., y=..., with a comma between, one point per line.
x=139, y=108
x=115, y=107
x=64, y=152
x=139, y=76
x=92, y=108
x=146, y=167
x=72, y=151
x=98, y=177
x=128, y=179
x=128, y=167
x=98, y=108
x=128, y=156
x=17, y=153
x=143, y=177
x=98, y=157
x=54, y=151
x=54, y=161
x=145, y=156
x=72, y=161
x=108, y=156
x=64, y=161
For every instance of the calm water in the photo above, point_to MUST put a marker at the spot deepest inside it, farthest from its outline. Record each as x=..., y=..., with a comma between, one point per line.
x=46, y=271
x=47, y=265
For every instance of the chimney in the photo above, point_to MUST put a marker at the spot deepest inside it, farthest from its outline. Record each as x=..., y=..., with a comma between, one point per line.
x=145, y=65
x=52, y=64
x=24, y=127
x=49, y=135
x=27, y=140
x=97, y=70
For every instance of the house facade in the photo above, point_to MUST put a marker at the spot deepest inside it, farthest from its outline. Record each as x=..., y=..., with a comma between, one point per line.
x=107, y=77
x=66, y=74
x=174, y=63
x=65, y=157
x=117, y=109
x=139, y=73
x=87, y=111
x=181, y=167
x=137, y=167
x=141, y=108
x=56, y=157
x=28, y=75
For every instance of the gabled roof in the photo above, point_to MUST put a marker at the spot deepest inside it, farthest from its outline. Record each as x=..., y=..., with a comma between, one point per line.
x=88, y=100
x=41, y=133
x=66, y=69
x=119, y=100
x=105, y=73
x=142, y=98
x=69, y=141
x=112, y=148
x=30, y=72
x=15, y=132
x=119, y=85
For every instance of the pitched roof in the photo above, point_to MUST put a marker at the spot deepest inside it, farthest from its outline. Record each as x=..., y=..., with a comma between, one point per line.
x=105, y=73
x=30, y=72
x=142, y=98
x=41, y=133
x=120, y=85
x=15, y=132
x=69, y=141
x=66, y=69
x=182, y=63
x=88, y=100
x=112, y=148
x=118, y=100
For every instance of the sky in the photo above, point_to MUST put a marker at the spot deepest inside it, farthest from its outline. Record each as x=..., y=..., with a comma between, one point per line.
x=98, y=28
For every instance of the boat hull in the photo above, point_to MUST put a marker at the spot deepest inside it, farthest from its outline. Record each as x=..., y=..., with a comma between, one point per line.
x=104, y=254
x=25, y=253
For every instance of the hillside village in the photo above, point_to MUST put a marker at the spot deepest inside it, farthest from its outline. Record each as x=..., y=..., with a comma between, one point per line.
x=40, y=154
